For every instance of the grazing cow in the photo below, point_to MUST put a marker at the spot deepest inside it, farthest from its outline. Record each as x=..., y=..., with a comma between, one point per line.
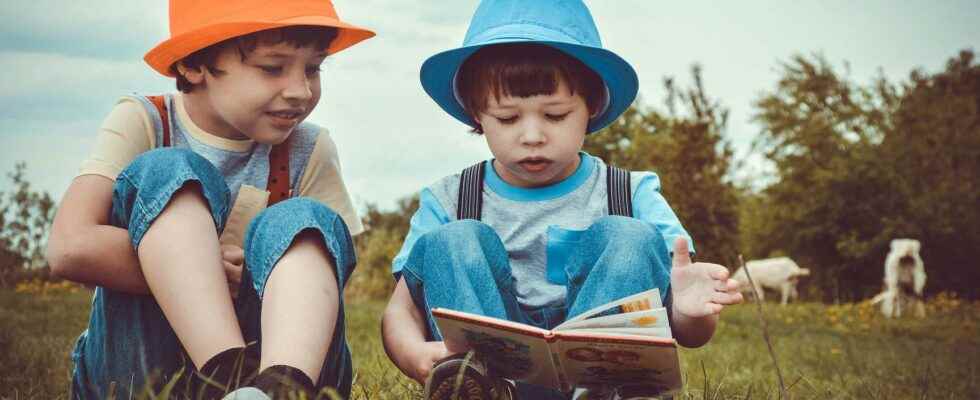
x=905, y=278
x=780, y=274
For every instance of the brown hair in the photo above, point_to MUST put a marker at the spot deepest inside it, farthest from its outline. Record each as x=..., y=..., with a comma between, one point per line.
x=298, y=35
x=524, y=70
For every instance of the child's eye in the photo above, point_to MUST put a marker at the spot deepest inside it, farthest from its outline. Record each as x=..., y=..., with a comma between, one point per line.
x=312, y=70
x=507, y=120
x=556, y=117
x=271, y=69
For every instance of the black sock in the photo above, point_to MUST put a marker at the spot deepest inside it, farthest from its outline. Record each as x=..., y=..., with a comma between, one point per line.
x=280, y=380
x=224, y=372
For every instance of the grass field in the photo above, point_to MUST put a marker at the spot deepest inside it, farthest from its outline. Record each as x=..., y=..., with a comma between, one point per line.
x=825, y=352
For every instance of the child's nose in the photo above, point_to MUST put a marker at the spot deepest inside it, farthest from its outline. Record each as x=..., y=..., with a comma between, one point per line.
x=298, y=88
x=532, y=134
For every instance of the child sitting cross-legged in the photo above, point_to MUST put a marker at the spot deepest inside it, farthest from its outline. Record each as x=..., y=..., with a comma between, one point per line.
x=543, y=231
x=214, y=222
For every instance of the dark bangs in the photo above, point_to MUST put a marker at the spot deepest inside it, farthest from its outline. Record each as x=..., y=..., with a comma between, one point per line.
x=319, y=37
x=524, y=70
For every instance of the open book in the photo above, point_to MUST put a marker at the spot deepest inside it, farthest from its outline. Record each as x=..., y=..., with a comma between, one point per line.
x=624, y=343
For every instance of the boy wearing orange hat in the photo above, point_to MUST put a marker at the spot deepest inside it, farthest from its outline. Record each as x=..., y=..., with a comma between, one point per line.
x=199, y=278
x=541, y=232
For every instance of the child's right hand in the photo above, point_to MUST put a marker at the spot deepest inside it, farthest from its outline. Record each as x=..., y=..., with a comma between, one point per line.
x=425, y=358
x=233, y=258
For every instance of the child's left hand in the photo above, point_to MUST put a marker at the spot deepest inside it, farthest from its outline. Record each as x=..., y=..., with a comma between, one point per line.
x=700, y=289
x=232, y=259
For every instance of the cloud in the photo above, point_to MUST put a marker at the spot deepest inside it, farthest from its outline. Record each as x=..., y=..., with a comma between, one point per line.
x=93, y=28
x=50, y=86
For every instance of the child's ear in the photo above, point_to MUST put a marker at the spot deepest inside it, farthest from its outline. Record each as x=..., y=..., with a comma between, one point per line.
x=193, y=75
x=599, y=108
x=476, y=121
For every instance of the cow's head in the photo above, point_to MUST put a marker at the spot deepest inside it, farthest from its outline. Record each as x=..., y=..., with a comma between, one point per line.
x=905, y=247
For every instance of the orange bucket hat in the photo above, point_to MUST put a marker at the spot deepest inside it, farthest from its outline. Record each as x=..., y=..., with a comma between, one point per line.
x=196, y=24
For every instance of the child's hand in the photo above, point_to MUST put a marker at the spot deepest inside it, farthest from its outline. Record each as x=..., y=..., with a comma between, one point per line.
x=700, y=289
x=233, y=257
x=425, y=358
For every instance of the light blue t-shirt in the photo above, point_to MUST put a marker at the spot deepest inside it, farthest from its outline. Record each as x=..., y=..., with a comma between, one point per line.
x=538, y=225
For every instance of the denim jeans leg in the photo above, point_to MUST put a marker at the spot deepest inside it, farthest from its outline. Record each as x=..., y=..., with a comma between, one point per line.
x=268, y=237
x=461, y=266
x=129, y=342
x=618, y=256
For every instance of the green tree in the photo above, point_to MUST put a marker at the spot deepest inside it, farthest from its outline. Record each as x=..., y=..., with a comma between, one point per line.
x=685, y=145
x=934, y=152
x=25, y=217
x=815, y=131
x=858, y=166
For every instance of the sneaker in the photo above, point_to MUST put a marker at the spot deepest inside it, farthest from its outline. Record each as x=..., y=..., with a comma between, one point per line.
x=275, y=382
x=465, y=377
x=642, y=392
x=247, y=393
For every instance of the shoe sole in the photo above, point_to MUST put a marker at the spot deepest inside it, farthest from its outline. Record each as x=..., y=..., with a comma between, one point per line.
x=469, y=389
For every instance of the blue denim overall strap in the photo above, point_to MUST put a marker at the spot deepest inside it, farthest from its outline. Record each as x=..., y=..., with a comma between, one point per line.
x=470, y=200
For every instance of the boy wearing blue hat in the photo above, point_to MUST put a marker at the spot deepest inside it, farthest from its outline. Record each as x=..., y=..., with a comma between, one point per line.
x=543, y=231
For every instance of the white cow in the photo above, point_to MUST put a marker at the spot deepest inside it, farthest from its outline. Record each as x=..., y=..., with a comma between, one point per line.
x=779, y=273
x=905, y=278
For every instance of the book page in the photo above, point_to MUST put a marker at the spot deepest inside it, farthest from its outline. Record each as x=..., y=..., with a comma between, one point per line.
x=646, y=300
x=512, y=350
x=591, y=360
x=662, y=332
x=652, y=318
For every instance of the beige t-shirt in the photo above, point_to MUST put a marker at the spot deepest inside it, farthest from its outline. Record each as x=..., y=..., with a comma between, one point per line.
x=128, y=131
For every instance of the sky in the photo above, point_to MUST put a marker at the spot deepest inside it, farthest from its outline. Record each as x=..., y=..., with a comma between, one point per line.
x=65, y=63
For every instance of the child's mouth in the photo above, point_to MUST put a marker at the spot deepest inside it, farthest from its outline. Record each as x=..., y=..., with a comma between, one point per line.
x=534, y=164
x=284, y=118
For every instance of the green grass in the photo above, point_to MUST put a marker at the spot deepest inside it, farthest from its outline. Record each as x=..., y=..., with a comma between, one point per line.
x=825, y=352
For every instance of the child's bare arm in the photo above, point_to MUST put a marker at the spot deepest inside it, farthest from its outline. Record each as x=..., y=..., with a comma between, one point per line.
x=84, y=248
x=403, y=333
x=700, y=291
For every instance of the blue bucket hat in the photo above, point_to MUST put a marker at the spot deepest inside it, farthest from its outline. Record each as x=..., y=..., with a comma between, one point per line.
x=566, y=25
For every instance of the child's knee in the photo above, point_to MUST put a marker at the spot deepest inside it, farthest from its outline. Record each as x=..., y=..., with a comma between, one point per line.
x=291, y=217
x=461, y=230
x=461, y=248
x=170, y=172
x=630, y=236
x=155, y=179
x=615, y=227
x=175, y=162
x=467, y=236
x=297, y=221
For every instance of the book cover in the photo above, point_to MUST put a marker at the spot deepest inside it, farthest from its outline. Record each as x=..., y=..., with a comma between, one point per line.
x=625, y=342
